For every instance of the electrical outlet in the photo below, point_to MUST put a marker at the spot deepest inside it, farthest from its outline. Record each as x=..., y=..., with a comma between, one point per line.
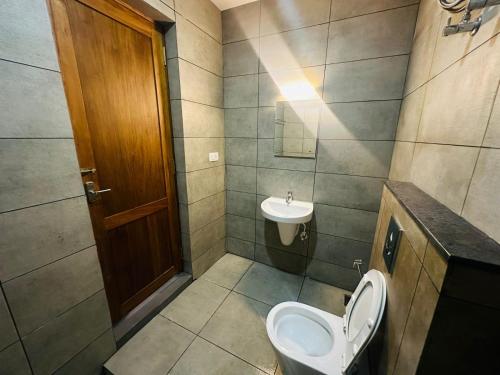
x=213, y=156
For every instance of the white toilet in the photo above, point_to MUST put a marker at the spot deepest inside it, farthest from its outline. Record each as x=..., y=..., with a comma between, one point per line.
x=311, y=341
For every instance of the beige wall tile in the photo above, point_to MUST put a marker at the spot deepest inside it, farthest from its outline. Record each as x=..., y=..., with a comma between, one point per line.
x=202, y=13
x=419, y=321
x=294, y=49
x=435, y=265
x=198, y=85
x=458, y=102
x=444, y=172
x=205, y=211
x=402, y=157
x=241, y=22
x=380, y=34
x=39, y=171
x=40, y=235
x=483, y=199
x=208, y=259
x=192, y=153
x=206, y=237
x=409, y=117
x=348, y=8
x=32, y=299
x=492, y=137
x=424, y=42
x=9, y=333
x=197, y=47
x=26, y=110
x=282, y=15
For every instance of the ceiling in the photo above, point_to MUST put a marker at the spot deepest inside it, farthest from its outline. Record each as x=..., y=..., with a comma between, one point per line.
x=226, y=4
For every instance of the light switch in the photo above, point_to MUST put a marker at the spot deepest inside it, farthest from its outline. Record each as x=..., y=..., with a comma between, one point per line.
x=213, y=156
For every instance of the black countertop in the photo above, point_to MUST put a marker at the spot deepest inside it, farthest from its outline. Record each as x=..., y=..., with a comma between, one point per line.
x=453, y=236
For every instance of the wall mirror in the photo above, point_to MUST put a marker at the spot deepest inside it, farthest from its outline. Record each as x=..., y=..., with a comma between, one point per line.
x=296, y=128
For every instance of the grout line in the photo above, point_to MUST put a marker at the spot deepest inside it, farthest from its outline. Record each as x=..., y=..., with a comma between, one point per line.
x=195, y=102
x=375, y=12
x=16, y=329
x=41, y=204
x=198, y=66
x=195, y=25
x=29, y=65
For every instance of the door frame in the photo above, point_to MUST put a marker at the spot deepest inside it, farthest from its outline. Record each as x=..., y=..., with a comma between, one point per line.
x=130, y=17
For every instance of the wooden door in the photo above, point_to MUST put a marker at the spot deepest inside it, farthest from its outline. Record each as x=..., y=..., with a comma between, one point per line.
x=114, y=76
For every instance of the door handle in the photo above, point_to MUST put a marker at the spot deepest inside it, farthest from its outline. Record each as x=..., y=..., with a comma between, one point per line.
x=91, y=193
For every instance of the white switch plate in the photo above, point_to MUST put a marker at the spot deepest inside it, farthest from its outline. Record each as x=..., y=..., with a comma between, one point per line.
x=213, y=156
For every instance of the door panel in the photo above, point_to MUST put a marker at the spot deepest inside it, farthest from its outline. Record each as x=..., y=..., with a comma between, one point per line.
x=115, y=85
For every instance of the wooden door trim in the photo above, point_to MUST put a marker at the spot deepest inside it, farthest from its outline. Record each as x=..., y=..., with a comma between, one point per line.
x=74, y=96
x=136, y=213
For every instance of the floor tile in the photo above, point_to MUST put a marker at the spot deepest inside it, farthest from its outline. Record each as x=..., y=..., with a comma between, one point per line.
x=239, y=326
x=323, y=296
x=269, y=285
x=195, y=305
x=154, y=350
x=228, y=270
x=204, y=358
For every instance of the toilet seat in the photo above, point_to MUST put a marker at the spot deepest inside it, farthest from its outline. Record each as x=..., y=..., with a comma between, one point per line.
x=324, y=342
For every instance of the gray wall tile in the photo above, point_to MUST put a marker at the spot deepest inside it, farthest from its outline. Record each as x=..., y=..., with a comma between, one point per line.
x=241, y=178
x=348, y=191
x=240, y=122
x=239, y=247
x=241, y=58
x=191, y=119
x=444, y=172
x=266, y=233
x=90, y=359
x=348, y=81
x=30, y=41
x=276, y=15
x=204, y=14
x=241, y=204
x=58, y=341
x=267, y=116
x=375, y=120
x=345, y=278
x=13, y=360
x=240, y=227
x=241, y=151
x=270, y=85
x=277, y=182
x=338, y=250
x=198, y=85
x=25, y=110
x=203, y=183
x=39, y=235
x=376, y=35
x=345, y=222
x=241, y=91
x=267, y=159
x=348, y=8
x=293, y=49
x=9, y=333
x=483, y=198
x=363, y=158
x=192, y=153
x=241, y=22
x=285, y=261
x=48, y=165
x=32, y=298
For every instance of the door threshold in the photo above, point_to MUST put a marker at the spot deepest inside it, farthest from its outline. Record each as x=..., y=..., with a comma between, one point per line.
x=149, y=308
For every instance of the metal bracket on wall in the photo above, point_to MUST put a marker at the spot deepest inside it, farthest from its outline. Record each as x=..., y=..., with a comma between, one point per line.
x=466, y=25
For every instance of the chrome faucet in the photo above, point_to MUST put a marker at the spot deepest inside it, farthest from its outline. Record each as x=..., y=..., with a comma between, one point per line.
x=289, y=197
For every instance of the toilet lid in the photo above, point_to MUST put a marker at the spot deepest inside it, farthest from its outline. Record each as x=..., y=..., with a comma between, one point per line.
x=363, y=315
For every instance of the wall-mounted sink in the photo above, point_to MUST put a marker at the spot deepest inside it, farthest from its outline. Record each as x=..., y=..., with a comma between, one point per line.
x=288, y=214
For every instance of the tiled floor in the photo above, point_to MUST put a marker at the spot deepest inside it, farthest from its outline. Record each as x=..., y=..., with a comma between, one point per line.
x=217, y=325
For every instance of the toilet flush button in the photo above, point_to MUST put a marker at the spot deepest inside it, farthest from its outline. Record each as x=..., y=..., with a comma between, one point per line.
x=213, y=156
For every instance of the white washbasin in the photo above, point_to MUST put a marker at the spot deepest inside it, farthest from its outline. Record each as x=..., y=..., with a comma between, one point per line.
x=287, y=215
x=296, y=212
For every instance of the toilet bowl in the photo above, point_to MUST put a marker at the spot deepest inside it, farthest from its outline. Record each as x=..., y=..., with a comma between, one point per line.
x=311, y=341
